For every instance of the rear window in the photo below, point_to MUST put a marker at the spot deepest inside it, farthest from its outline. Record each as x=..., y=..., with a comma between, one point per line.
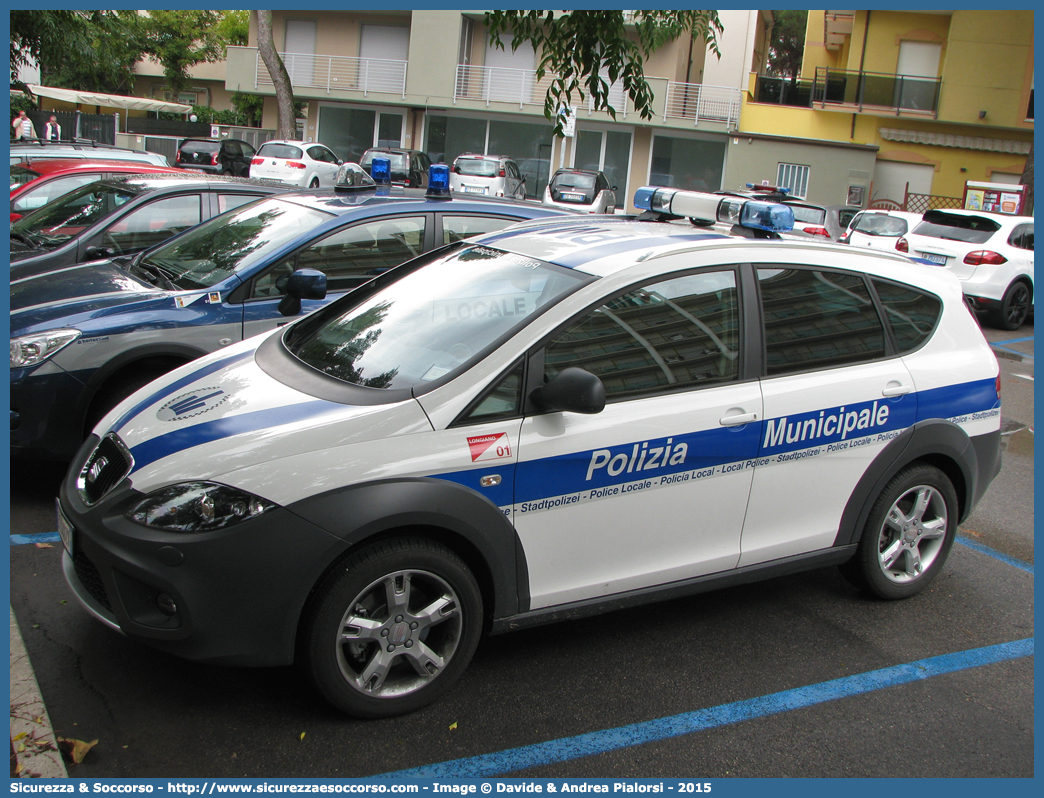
x=877, y=224
x=808, y=214
x=477, y=167
x=397, y=160
x=573, y=180
x=954, y=227
x=279, y=151
x=200, y=146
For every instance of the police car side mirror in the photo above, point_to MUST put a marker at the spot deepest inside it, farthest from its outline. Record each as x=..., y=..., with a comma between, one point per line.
x=572, y=390
x=302, y=284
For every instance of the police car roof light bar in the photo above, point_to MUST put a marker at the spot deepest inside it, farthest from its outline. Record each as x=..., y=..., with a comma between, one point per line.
x=756, y=214
x=380, y=171
x=438, y=181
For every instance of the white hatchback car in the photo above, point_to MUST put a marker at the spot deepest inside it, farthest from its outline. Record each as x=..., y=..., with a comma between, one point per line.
x=546, y=422
x=487, y=175
x=991, y=254
x=581, y=190
x=879, y=229
x=299, y=163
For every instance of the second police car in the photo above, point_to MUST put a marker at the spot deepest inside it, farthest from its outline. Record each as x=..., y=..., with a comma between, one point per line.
x=553, y=420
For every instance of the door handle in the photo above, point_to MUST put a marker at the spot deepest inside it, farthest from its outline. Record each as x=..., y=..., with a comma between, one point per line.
x=735, y=421
x=896, y=390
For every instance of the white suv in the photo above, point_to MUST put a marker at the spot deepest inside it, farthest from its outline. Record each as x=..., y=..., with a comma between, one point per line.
x=549, y=421
x=991, y=254
x=487, y=175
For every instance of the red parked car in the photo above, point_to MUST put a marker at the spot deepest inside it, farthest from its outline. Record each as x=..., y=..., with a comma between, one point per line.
x=35, y=184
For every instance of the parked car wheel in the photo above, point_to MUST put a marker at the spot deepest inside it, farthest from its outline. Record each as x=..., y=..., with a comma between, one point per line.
x=908, y=535
x=1014, y=307
x=393, y=628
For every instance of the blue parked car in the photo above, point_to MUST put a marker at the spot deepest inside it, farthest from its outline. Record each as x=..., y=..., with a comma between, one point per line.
x=86, y=337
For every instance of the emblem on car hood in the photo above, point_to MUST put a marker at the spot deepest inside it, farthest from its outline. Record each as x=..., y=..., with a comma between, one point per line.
x=195, y=403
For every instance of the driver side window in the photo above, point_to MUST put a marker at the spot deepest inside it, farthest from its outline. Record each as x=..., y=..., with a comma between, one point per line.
x=354, y=255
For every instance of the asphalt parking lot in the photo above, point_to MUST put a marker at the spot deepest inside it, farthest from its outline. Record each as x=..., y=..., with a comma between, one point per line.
x=799, y=676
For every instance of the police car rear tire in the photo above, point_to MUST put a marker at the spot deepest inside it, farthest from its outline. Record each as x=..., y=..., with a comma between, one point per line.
x=908, y=535
x=392, y=628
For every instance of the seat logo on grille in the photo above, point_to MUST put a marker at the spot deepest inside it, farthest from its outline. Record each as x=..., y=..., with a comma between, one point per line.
x=96, y=468
x=191, y=404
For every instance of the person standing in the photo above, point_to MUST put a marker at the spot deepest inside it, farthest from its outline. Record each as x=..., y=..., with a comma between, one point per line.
x=52, y=130
x=23, y=126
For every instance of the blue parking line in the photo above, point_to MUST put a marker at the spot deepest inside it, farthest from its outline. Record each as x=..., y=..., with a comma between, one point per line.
x=971, y=544
x=40, y=537
x=600, y=742
x=1015, y=340
x=1023, y=355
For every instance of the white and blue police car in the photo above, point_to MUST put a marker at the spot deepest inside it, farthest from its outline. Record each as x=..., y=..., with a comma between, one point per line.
x=85, y=337
x=556, y=419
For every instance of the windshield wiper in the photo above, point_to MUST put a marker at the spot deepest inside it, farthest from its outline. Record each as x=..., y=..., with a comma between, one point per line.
x=25, y=239
x=153, y=271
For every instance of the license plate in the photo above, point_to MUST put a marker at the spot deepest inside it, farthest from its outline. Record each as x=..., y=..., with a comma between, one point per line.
x=474, y=190
x=577, y=197
x=940, y=259
x=65, y=529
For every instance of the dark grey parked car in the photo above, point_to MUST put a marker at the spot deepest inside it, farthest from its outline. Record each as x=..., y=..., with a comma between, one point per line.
x=220, y=156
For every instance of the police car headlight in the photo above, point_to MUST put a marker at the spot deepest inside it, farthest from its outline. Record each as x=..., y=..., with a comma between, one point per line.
x=197, y=507
x=28, y=350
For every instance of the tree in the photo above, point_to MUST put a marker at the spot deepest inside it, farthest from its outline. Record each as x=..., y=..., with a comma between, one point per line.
x=113, y=43
x=588, y=51
x=284, y=89
x=38, y=36
x=787, y=45
x=180, y=40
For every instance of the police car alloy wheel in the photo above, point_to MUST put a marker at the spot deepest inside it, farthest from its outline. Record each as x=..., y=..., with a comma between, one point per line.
x=908, y=535
x=393, y=628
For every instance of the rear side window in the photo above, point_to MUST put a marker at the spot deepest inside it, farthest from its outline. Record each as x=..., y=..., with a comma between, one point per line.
x=279, y=151
x=912, y=314
x=817, y=319
x=954, y=227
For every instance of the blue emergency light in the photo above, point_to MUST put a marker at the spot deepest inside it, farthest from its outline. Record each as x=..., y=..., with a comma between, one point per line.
x=699, y=205
x=380, y=171
x=438, y=181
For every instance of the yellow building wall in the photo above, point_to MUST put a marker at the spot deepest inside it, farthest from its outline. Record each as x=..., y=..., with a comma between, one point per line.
x=887, y=30
x=806, y=123
x=987, y=70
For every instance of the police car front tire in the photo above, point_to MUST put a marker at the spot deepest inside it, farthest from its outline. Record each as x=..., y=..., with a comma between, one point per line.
x=908, y=535
x=392, y=628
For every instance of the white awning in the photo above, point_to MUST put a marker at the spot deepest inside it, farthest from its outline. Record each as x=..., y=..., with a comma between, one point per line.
x=948, y=140
x=108, y=100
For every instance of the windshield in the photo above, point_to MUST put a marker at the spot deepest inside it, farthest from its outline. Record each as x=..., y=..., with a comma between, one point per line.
x=279, y=151
x=477, y=167
x=580, y=181
x=230, y=243
x=432, y=320
x=69, y=216
x=954, y=227
x=877, y=224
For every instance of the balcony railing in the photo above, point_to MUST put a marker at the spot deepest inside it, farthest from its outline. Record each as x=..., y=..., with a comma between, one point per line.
x=502, y=84
x=335, y=72
x=902, y=94
x=702, y=103
x=783, y=91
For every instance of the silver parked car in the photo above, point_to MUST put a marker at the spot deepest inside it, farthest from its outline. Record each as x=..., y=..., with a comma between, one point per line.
x=582, y=190
x=487, y=175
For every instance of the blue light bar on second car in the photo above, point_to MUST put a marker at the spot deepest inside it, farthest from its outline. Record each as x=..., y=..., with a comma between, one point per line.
x=756, y=214
x=380, y=171
x=438, y=181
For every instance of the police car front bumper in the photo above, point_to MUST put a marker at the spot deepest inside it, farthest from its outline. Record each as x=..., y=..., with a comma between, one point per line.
x=232, y=596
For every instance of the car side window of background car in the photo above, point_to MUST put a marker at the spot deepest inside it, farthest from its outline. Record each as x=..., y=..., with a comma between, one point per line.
x=153, y=223
x=912, y=314
x=817, y=319
x=1022, y=237
x=227, y=202
x=353, y=255
x=675, y=334
x=455, y=228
